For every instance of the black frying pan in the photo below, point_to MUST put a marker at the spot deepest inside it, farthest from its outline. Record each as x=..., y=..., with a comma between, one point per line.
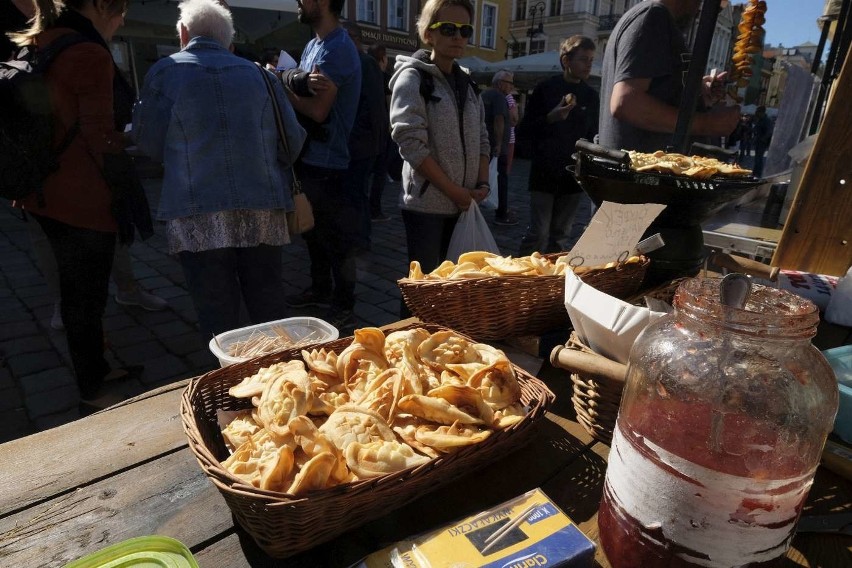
x=605, y=175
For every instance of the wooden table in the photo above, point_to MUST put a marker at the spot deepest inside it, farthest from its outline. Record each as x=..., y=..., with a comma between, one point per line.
x=127, y=472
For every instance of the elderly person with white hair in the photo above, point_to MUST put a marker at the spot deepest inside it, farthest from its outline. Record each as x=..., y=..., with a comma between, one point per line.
x=499, y=123
x=208, y=116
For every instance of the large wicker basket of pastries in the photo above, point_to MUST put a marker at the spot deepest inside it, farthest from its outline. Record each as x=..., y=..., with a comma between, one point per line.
x=305, y=445
x=491, y=297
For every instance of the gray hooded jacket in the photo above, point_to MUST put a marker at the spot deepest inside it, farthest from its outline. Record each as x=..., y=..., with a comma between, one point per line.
x=432, y=129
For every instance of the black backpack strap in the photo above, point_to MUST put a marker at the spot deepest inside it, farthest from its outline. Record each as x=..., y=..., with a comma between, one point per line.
x=427, y=86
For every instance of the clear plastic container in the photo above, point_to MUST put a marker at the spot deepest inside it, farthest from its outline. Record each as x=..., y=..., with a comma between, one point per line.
x=141, y=552
x=720, y=430
x=313, y=330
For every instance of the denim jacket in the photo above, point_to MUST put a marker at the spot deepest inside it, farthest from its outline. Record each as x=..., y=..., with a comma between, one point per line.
x=207, y=115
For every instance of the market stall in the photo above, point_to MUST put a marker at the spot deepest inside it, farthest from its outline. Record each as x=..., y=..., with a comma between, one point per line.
x=70, y=491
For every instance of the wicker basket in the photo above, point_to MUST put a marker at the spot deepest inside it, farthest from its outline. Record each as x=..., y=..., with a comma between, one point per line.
x=598, y=381
x=283, y=525
x=510, y=306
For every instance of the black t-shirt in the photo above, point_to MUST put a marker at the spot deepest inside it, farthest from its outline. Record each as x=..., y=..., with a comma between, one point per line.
x=645, y=44
x=553, y=143
x=13, y=21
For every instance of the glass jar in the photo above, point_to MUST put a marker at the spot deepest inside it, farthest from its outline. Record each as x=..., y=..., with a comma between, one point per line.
x=719, y=433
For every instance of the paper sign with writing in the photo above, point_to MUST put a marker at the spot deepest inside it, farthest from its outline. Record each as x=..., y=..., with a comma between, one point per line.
x=613, y=232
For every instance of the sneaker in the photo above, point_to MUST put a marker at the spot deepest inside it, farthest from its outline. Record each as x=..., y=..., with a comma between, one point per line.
x=342, y=319
x=379, y=218
x=56, y=320
x=125, y=373
x=509, y=220
x=307, y=298
x=141, y=298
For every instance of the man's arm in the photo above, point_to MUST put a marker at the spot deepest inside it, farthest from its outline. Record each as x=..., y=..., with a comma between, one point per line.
x=318, y=104
x=631, y=103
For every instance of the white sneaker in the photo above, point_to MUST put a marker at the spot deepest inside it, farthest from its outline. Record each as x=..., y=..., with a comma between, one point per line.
x=56, y=320
x=141, y=298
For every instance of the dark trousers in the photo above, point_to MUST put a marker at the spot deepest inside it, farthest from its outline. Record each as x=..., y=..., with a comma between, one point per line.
x=356, y=185
x=336, y=229
x=84, y=261
x=380, y=174
x=428, y=239
x=502, y=186
x=218, y=279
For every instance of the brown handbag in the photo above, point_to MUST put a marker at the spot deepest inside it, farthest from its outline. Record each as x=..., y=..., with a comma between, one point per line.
x=301, y=218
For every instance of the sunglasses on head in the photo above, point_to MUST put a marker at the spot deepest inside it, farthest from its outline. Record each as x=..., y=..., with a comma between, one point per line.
x=448, y=29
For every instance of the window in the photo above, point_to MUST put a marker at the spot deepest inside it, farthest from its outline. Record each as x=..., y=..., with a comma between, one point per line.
x=589, y=6
x=555, y=7
x=367, y=11
x=398, y=14
x=489, y=26
x=521, y=10
x=537, y=46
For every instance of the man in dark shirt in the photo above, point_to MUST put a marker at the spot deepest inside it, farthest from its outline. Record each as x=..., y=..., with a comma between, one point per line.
x=497, y=121
x=561, y=110
x=368, y=139
x=762, y=137
x=644, y=69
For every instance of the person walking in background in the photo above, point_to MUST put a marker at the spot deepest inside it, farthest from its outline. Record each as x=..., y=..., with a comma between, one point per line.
x=498, y=123
x=561, y=110
x=325, y=90
x=368, y=139
x=225, y=193
x=644, y=64
x=746, y=128
x=438, y=121
x=86, y=200
x=380, y=170
x=762, y=135
x=513, y=121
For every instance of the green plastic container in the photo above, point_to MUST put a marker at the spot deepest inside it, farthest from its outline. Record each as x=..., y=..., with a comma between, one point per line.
x=141, y=552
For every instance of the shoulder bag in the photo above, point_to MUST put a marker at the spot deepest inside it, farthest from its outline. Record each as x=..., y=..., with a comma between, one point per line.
x=301, y=218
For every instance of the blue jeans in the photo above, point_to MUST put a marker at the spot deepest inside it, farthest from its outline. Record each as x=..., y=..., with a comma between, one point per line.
x=337, y=228
x=218, y=279
x=551, y=217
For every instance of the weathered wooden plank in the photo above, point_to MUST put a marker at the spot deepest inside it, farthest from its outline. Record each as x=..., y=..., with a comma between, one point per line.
x=170, y=496
x=817, y=235
x=47, y=463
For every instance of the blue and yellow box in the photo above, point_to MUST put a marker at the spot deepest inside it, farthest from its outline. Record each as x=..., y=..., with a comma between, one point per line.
x=527, y=531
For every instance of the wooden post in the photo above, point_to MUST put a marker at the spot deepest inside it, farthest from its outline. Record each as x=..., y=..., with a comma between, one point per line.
x=817, y=236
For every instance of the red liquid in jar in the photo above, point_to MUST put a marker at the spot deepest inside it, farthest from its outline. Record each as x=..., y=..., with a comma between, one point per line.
x=675, y=498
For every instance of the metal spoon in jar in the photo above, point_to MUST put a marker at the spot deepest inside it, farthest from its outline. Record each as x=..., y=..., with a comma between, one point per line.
x=734, y=290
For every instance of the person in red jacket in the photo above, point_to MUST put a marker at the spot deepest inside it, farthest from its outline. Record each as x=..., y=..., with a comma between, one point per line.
x=89, y=198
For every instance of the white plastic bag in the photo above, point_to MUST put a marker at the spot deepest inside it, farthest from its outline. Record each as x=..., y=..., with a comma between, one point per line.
x=491, y=201
x=471, y=233
x=839, y=310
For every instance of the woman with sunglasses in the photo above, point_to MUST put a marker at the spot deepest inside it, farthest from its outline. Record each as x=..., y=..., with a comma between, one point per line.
x=438, y=121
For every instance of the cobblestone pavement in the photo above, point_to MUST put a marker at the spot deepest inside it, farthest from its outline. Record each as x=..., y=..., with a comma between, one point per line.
x=37, y=387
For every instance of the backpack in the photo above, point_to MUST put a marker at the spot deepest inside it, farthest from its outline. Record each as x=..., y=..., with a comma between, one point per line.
x=28, y=154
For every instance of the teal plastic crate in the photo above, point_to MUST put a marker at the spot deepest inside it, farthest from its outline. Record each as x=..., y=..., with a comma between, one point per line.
x=840, y=359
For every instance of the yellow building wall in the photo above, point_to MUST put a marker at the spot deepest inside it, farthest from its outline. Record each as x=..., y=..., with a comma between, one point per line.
x=498, y=52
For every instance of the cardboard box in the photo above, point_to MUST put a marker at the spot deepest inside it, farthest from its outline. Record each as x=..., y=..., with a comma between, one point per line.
x=535, y=532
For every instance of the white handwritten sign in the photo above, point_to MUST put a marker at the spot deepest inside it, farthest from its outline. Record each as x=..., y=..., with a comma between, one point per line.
x=613, y=232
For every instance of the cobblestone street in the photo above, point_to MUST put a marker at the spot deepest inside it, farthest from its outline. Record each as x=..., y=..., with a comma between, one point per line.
x=37, y=387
